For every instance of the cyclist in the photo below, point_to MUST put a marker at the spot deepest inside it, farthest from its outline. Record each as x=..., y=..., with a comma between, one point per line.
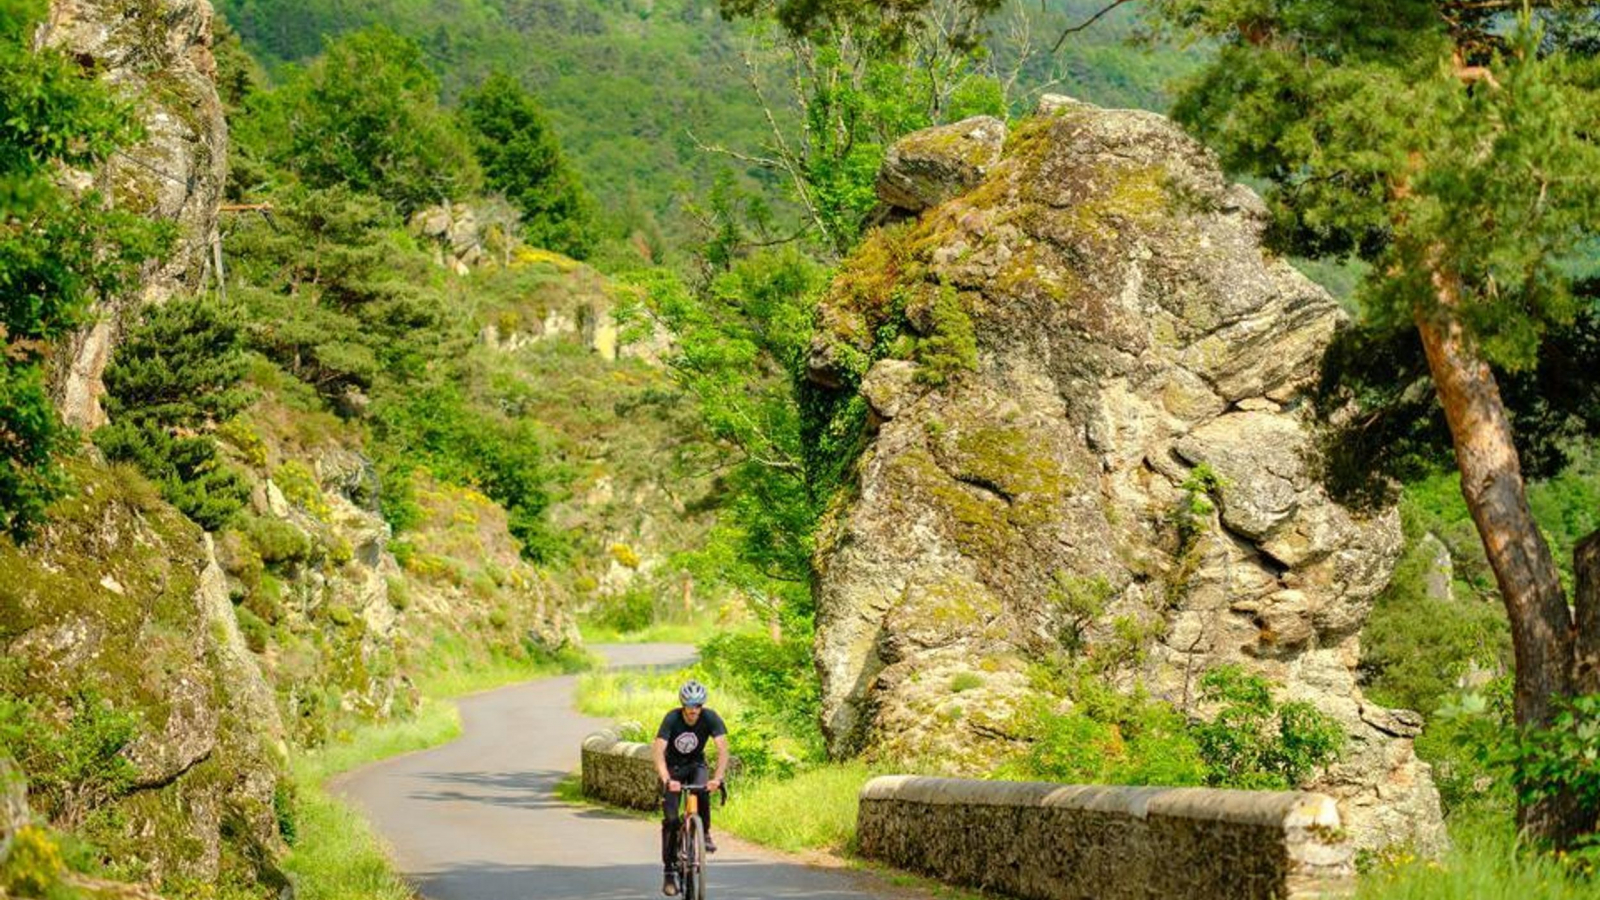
x=680, y=757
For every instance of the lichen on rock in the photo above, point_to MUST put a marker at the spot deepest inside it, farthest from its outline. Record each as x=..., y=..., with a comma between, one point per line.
x=1129, y=330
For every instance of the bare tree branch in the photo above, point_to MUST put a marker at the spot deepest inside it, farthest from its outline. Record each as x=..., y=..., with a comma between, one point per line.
x=1074, y=29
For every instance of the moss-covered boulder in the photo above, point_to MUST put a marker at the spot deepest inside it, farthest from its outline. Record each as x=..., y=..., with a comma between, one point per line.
x=146, y=724
x=1085, y=442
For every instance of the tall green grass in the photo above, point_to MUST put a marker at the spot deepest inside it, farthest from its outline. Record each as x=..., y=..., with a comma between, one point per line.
x=814, y=810
x=1480, y=867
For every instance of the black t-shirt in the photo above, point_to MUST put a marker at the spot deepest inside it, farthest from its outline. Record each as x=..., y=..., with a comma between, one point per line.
x=686, y=744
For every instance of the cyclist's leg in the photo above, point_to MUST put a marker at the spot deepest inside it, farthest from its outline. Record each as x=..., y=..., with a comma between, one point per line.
x=701, y=776
x=670, y=801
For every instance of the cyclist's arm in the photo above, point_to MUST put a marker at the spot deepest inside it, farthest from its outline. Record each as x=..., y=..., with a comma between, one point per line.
x=658, y=751
x=722, y=762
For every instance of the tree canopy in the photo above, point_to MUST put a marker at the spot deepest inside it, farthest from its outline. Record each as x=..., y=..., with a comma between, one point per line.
x=1452, y=146
x=522, y=159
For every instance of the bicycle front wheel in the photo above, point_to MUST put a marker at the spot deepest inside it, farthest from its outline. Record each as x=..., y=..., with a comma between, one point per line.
x=695, y=864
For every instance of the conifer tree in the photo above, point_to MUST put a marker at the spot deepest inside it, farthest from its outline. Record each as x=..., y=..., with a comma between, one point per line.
x=1455, y=146
x=521, y=159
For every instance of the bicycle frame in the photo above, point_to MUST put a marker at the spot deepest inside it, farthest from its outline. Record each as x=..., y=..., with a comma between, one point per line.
x=691, y=843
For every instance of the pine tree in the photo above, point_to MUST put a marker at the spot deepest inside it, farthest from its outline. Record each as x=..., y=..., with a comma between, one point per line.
x=521, y=159
x=175, y=377
x=1454, y=146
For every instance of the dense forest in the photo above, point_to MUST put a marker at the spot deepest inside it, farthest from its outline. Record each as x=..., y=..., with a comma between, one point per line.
x=538, y=286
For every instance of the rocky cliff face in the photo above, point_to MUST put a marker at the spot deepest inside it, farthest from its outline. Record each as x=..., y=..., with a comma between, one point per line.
x=158, y=53
x=340, y=615
x=119, y=608
x=1092, y=442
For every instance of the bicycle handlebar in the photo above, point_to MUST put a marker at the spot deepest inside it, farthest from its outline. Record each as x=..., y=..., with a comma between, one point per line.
x=722, y=790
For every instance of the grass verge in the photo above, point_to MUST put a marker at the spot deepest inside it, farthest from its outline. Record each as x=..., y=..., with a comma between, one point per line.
x=813, y=810
x=1480, y=867
x=335, y=854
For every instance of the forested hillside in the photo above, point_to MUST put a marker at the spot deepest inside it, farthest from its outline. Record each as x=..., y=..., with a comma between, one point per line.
x=636, y=90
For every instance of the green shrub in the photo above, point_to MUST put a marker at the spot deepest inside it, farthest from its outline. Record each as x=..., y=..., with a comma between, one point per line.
x=278, y=542
x=630, y=610
x=255, y=631
x=176, y=374
x=1108, y=737
x=1255, y=742
x=778, y=678
x=73, y=767
x=1078, y=601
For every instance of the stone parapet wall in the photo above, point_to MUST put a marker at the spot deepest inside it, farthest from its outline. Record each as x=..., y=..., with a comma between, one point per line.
x=619, y=772
x=1054, y=842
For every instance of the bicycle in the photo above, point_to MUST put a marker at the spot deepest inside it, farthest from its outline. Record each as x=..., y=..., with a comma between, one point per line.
x=691, y=869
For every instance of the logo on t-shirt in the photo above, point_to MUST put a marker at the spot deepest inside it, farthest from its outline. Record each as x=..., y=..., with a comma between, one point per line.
x=686, y=742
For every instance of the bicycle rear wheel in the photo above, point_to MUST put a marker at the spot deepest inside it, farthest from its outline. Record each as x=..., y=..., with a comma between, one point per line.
x=695, y=862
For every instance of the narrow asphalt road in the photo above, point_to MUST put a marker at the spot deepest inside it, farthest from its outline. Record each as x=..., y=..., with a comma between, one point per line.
x=478, y=819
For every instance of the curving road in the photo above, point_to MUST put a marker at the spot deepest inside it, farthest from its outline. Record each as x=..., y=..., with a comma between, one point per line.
x=477, y=819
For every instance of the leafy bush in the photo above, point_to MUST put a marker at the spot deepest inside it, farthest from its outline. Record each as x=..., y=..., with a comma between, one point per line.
x=60, y=250
x=75, y=766
x=1562, y=760
x=1256, y=742
x=255, y=631
x=631, y=610
x=278, y=542
x=1107, y=737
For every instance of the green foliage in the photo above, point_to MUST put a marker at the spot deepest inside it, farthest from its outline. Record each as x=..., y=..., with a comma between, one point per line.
x=75, y=763
x=278, y=542
x=739, y=353
x=366, y=115
x=777, y=678
x=627, y=611
x=951, y=348
x=641, y=160
x=1107, y=737
x=175, y=376
x=61, y=250
x=1562, y=760
x=433, y=424
x=1256, y=742
x=1078, y=602
x=1415, y=647
x=1190, y=514
x=522, y=159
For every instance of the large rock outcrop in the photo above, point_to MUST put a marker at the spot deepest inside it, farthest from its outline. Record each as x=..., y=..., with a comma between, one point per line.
x=118, y=609
x=1090, y=341
x=158, y=55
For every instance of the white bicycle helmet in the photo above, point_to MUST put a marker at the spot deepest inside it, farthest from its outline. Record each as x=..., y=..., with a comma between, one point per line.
x=692, y=694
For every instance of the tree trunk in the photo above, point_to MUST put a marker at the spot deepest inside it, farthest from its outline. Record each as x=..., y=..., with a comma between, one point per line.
x=1491, y=482
x=1586, y=600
